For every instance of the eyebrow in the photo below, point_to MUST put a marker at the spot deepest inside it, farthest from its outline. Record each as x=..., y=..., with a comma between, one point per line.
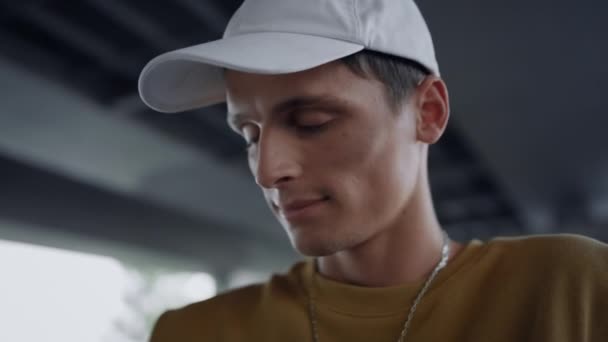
x=298, y=102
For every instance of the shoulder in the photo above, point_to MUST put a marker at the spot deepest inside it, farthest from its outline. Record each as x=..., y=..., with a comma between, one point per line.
x=211, y=319
x=567, y=276
x=561, y=246
x=552, y=254
x=201, y=319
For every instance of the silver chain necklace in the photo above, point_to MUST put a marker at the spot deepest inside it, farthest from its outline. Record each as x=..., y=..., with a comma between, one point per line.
x=445, y=253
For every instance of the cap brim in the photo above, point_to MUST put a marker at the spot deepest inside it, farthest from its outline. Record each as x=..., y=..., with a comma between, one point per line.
x=192, y=77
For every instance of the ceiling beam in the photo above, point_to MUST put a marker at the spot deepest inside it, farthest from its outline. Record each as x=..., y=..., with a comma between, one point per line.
x=39, y=198
x=77, y=38
x=137, y=23
x=208, y=12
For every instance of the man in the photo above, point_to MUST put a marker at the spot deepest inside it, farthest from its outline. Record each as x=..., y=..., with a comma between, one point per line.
x=338, y=102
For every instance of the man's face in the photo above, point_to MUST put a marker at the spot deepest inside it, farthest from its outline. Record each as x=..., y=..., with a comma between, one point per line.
x=326, y=140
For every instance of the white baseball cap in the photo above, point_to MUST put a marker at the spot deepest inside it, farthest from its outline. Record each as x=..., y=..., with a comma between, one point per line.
x=284, y=36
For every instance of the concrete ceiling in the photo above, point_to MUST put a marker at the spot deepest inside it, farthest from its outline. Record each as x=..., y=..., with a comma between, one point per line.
x=528, y=120
x=527, y=81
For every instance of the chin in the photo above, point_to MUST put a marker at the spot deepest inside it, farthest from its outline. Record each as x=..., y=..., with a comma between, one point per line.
x=309, y=244
x=313, y=245
x=316, y=250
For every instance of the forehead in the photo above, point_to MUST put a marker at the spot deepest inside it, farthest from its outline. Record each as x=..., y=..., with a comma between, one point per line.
x=252, y=95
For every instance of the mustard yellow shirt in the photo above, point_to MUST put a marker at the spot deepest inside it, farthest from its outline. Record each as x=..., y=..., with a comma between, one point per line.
x=535, y=288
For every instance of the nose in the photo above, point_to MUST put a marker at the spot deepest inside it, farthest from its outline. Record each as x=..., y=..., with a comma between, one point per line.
x=274, y=160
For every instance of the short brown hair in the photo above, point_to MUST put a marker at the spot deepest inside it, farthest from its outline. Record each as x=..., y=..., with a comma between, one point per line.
x=399, y=75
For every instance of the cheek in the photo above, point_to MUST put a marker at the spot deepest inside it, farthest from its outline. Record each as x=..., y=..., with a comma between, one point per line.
x=353, y=164
x=370, y=172
x=348, y=152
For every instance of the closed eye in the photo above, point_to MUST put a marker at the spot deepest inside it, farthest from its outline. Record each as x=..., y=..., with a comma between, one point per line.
x=310, y=128
x=308, y=121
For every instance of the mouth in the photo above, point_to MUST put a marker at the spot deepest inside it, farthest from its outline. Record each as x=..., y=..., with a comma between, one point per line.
x=302, y=209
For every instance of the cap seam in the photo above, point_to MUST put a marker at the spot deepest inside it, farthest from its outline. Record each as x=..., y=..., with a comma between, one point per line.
x=303, y=34
x=355, y=11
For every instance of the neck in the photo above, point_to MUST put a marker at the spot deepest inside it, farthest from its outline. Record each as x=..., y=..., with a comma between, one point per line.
x=405, y=252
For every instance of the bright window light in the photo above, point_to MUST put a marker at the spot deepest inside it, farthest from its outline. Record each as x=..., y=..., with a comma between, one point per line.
x=49, y=294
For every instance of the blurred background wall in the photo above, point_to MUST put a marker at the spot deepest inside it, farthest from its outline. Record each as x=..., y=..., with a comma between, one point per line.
x=102, y=197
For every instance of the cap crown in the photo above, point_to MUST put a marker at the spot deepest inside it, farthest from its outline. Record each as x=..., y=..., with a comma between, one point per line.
x=395, y=27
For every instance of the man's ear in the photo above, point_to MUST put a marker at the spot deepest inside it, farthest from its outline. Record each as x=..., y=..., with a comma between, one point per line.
x=432, y=106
